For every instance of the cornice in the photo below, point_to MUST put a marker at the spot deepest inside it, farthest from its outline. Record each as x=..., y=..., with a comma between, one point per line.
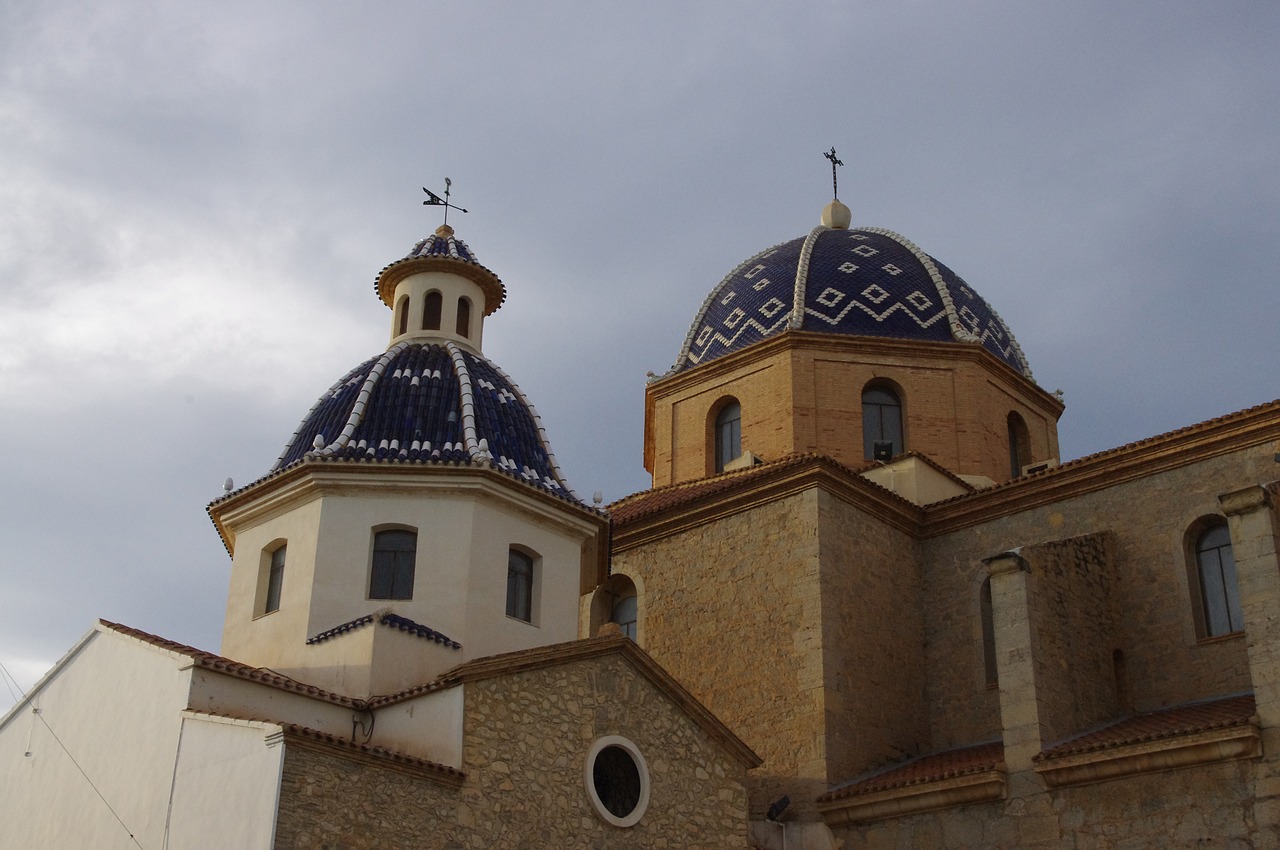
x=1193, y=444
x=760, y=486
x=793, y=340
x=313, y=478
x=981, y=787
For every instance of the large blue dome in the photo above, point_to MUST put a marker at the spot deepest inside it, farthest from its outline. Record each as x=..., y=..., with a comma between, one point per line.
x=859, y=282
x=428, y=403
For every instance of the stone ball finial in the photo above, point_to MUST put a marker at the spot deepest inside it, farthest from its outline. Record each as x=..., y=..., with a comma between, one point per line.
x=836, y=215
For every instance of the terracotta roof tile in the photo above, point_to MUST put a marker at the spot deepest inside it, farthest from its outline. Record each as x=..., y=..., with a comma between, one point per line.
x=210, y=661
x=1155, y=725
x=931, y=768
x=440, y=771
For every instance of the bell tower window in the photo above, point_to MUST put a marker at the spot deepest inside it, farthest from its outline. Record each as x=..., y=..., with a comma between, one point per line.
x=431, y=311
x=728, y=434
x=464, y=317
x=394, y=554
x=881, y=423
x=402, y=316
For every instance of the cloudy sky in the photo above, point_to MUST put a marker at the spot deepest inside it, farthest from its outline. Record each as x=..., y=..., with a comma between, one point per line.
x=194, y=203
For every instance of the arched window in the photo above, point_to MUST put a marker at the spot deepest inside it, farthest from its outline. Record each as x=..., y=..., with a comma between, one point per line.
x=431, y=311
x=987, y=616
x=464, y=317
x=275, y=580
x=1219, y=594
x=402, y=315
x=881, y=423
x=625, y=613
x=520, y=567
x=728, y=434
x=1019, y=445
x=394, y=554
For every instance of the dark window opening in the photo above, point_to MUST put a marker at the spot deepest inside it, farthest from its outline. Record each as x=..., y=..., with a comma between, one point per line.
x=402, y=316
x=394, y=554
x=1019, y=445
x=728, y=434
x=464, y=317
x=616, y=778
x=431, y=312
x=519, y=585
x=1219, y=593
x=881, y=421
x=275, y=580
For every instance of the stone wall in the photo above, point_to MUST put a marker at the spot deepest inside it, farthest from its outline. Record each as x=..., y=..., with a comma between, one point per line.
x=1074, y=633
x=1198, y=808
x=732, y=609
x=873, y=641
x=526, y=740
x=1167, y=662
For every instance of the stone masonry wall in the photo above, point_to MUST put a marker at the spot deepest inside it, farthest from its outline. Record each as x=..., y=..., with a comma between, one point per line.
x=1167, y=662
x=732, y=610
x=873, y=640
x=1197, y=808
x=1073, y=633
x=527, y=737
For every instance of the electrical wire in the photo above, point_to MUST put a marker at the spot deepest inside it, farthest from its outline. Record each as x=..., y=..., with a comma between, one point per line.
x=123, y=825
x=8, y=678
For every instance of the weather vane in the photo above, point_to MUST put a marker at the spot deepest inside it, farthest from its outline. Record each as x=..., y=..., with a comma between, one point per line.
x=831, y=155
x=434, y=200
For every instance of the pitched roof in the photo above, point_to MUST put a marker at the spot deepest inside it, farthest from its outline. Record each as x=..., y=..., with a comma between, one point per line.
x=524, y=660
x=219, y=664
x=931, y=768
x=386, y=617
x=1155, y=725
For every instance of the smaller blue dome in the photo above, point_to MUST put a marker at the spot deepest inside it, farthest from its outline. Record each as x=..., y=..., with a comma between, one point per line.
x=429, y=403
x=860, y=282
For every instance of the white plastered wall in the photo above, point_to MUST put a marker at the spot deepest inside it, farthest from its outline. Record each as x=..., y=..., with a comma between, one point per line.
x=451, y=287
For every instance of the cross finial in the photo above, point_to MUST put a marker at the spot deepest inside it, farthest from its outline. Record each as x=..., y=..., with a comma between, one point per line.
x=831, y=155
x=434, y=200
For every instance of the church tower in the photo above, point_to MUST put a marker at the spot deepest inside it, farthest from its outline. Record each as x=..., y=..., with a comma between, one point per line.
x=417, y=517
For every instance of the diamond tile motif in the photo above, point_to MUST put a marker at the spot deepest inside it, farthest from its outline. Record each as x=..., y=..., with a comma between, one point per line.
x=875, y=293
x=771, y=308
x=847, y=268
x=892, y=269
x=754, y=271
x=919, y=300
x=731, y=321
x=728, y=298
x=760, y=284
x=865, y=251
x=830, y=297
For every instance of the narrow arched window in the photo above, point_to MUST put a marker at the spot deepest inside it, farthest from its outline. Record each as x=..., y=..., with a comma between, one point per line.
x=464, y=317
x=1019, y=445
x=520, y=585
x=625, y=613
x=431, y=311
x=881, y=423
x=402, y=315
x=1219, y=593
x=986, y=614
x=728, y=434
x=275, y=581
x=395, y=552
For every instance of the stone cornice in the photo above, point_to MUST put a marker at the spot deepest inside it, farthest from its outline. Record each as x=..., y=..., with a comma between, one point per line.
x=1216, y=437
x=311, y=479
x=763, y=485
x=1207, y=747
x=913, y=799
x=793, y=340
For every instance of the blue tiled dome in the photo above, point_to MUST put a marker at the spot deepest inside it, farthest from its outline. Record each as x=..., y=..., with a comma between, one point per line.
x=426, y=402
x=860, y=282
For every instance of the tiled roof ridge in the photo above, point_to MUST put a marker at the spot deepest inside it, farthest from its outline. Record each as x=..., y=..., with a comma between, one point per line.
x=328, y=739
x=220, y=664
x=534, y=658
x=385, y=617
x=1105, y=454
x=1169, y=722
x=648, y=502
x=947, y=764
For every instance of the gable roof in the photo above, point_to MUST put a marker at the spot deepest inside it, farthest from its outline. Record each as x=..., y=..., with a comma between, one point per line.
x=962, y=761
x=512, y=663
x=1156, y=725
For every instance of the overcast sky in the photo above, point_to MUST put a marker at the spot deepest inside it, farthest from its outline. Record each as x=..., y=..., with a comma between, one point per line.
x=194, y=202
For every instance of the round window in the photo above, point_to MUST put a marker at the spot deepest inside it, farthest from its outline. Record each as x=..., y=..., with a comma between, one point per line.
x=617, y=780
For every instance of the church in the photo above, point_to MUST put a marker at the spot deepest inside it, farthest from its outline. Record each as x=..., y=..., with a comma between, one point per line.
x=864, y=604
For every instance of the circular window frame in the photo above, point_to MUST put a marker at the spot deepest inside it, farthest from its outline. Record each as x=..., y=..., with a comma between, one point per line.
x=642, y=768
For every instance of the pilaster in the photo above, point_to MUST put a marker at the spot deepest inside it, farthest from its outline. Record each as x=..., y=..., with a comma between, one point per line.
x=1252, y=519
x=1020, y=722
